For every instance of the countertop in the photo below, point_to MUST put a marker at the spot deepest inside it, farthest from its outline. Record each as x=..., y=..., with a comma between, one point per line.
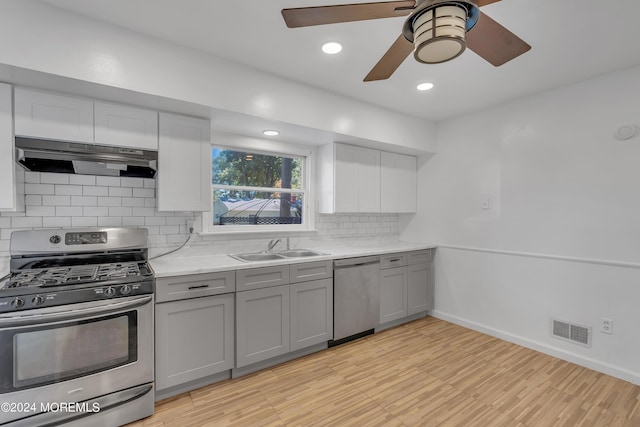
x=192, y=260
x=198, y=260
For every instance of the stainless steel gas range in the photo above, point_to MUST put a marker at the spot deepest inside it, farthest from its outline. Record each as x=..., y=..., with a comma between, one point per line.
x=76, y=328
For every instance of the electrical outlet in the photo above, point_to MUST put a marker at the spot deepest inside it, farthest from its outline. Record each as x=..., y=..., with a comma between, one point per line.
x=606, y=326
x=191, y=225
x=484, y=202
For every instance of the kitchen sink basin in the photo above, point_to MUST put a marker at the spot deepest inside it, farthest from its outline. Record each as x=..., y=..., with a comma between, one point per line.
x=270, y=256
x=297, y=253
x=257, y=257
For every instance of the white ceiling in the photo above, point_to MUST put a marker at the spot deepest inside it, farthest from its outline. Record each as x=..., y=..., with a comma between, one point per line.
x=572, y=40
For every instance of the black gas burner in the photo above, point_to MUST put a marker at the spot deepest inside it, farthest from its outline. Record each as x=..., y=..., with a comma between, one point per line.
x=69, y=266
x=77, y=274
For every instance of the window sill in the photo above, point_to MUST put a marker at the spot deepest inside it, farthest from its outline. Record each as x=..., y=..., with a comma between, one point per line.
x=260, y=233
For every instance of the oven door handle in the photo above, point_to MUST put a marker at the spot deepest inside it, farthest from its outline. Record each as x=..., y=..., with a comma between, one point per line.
x=54, y=314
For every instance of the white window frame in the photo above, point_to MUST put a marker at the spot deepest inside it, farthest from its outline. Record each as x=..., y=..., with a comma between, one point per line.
x=257, y=146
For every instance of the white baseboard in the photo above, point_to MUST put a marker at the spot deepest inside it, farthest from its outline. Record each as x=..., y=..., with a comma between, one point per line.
x=605, y=368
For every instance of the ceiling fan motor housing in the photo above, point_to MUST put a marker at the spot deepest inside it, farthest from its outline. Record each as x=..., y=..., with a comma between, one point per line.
x=437, y=29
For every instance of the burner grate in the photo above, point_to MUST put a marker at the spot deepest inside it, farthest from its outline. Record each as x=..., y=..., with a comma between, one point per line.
x=118, y=270
x=76, y=274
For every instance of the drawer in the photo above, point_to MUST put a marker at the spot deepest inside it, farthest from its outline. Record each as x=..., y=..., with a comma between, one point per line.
x=310, y=271
x=393, y=260
x=263, y=277
x=194, y=285
x=420, y=257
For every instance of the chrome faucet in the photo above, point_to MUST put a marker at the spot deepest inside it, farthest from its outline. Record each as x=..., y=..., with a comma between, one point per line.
x=272, y=244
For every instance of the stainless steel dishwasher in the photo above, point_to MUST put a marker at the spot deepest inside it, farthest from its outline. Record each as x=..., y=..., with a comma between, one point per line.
x=356, y=298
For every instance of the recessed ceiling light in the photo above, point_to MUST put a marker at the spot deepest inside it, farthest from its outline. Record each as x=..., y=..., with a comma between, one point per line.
x=331, y=48
x=424, y=86
x=271, y=132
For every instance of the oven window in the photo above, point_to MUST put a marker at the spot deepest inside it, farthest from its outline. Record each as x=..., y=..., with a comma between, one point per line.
x=45, y=356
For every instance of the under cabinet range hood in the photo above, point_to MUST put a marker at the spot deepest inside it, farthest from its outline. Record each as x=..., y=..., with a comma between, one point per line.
x=40, y=155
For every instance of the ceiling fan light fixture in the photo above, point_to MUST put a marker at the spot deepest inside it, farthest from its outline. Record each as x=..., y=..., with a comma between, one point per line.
x=439, y=33
x=437, y=29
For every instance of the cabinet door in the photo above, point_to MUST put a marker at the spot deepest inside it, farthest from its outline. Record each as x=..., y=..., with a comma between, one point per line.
x=262, y=324
x=393, y=294
x=184, y=164
x=345, y=179
x=7, y=163
x=311, y=313
x=393, y=260
x=368, y=180
x=356, y=179
x=125, y=126
x=398, y=189
x=262, y=277
x=310, y=271
x=194, y=339
x=420, y=293
x=51, y=116
x=194, y=285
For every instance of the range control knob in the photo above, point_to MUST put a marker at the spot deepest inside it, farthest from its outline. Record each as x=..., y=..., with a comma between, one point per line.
x=17, y=303
x=109, y=292
x=125, y=290
x=37, y=300
x=55, y=239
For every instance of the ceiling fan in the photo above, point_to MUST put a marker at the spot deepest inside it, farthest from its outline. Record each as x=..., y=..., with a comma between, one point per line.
x=436, y=30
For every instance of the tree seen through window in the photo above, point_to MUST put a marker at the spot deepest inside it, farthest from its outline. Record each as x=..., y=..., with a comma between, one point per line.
x=252, y=188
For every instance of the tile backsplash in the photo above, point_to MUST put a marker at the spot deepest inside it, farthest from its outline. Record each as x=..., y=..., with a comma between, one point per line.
x=59, y=200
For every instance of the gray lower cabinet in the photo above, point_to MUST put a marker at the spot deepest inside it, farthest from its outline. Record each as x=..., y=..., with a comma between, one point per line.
x=194, y=339
x=311, y=313
x=273, y=318
x=262, y=324
x=420, y=288
x=393, y=294
x=406, y=284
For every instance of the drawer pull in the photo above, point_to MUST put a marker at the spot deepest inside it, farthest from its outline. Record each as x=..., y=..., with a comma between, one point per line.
x=395, y=260
x=198, y=287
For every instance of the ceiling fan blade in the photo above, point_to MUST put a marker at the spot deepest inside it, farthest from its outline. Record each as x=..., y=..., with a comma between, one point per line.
x=481, y=3
x=493, y=42
x=391, y=60
x=319, y=15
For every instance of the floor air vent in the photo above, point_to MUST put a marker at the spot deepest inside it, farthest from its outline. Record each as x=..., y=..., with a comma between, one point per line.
x=578, y=334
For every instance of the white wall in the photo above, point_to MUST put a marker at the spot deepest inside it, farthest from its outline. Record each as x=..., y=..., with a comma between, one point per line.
x=560, y=186
x=47, y=39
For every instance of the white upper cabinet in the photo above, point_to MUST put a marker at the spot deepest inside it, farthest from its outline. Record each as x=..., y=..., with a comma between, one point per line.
x=362, y=180
x=184, y=164
x=52, y=116
x=125, y=126
x=7, y=156
x=345, y=186
x=349, y=179
x=357, y=175
x=60, y=117
x=397, y=183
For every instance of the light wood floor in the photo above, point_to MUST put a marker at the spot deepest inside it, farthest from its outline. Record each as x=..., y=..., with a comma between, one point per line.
x=425, y=373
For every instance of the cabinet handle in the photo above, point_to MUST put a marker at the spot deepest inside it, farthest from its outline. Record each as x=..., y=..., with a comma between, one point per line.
x=198, y=287
x=394, y=260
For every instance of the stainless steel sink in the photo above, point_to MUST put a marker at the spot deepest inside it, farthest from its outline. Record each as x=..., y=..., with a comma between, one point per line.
x=297, y=253
x=270, y=256
x=257, y=257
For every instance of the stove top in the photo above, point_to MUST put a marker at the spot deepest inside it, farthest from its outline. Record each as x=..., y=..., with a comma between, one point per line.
x=57, y=267
x=57, y=276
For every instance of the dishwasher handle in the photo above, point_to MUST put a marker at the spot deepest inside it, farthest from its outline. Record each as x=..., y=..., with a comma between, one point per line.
x=354, y=262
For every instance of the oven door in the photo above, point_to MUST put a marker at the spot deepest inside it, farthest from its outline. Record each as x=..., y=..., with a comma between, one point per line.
x=74, y=353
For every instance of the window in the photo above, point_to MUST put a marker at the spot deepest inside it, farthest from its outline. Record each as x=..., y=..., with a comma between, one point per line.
x=257, y=191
